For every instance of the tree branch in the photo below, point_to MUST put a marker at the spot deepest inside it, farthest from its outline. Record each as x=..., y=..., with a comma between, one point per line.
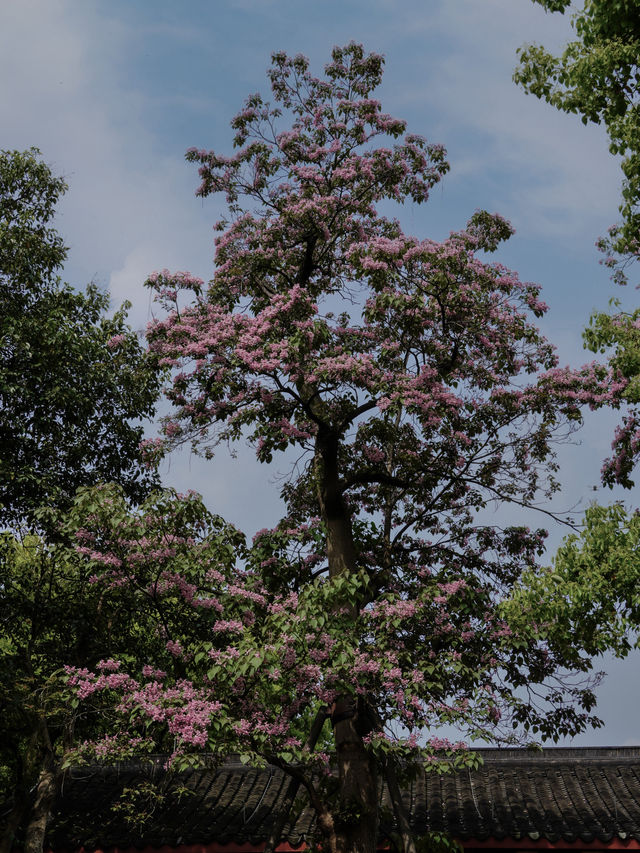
x=294, y=784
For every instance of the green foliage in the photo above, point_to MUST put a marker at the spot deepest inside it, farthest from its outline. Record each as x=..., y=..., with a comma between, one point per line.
x=54, y=616
x=437, y=842
x=138, y=806
x=589, y=600
x=74, y=381
x=597, y=77
x=31, y=250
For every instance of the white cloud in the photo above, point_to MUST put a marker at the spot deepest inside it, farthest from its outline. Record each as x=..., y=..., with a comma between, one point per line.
x=124, y=283
x=129, y=210
x=553, y=176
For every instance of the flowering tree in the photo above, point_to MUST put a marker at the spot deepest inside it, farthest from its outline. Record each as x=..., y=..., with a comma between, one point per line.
x=55, y=617
x=415, y=385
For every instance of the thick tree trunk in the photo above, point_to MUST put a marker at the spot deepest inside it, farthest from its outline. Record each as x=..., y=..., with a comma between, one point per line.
x=356, y=821
x=40, y=811
x=354, y=824
x=341, y=554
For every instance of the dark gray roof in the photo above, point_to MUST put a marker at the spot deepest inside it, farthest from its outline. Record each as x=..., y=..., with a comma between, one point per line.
x=566, y=795
x=587, y=795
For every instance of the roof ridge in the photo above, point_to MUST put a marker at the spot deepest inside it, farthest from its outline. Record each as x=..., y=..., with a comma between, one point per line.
x=493, y=752
x=589, y=753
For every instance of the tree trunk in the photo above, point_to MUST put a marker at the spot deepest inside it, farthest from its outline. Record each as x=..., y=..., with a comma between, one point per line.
x=400, y=812
x=355, y=820
x=41, y=809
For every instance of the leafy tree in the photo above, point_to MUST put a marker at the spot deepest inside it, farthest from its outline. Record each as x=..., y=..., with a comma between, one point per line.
x=55, y=617
x=32, y=251
x=74, y=381
x=598, y=76
x=591, y=590
x=589, y=595
x=413, y=381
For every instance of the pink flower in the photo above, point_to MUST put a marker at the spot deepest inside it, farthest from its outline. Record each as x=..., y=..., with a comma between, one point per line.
x=116, y=340
x=174, y=647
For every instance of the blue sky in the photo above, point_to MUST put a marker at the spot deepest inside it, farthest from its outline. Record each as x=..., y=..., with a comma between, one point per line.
x=113, y=93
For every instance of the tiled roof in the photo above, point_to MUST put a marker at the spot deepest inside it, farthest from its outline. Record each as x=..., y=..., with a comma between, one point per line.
x=565, y=795
x=558, y=796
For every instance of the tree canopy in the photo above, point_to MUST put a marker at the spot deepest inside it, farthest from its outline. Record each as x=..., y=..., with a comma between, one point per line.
x=75, y=381
x=597, y=76
x=413, y=381
x=590, y=593
x=54, y=618
x=591, y=589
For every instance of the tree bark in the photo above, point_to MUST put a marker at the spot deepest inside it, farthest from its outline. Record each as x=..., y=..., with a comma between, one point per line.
x=402, y=818
x=41, y=809
x=355, y=819
x=341, y=553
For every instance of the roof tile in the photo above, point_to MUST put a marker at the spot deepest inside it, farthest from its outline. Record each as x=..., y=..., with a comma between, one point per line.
x=569, y=795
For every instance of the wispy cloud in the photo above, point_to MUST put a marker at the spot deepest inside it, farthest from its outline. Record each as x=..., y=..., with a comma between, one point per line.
x=548, y=172
x=130, y=209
